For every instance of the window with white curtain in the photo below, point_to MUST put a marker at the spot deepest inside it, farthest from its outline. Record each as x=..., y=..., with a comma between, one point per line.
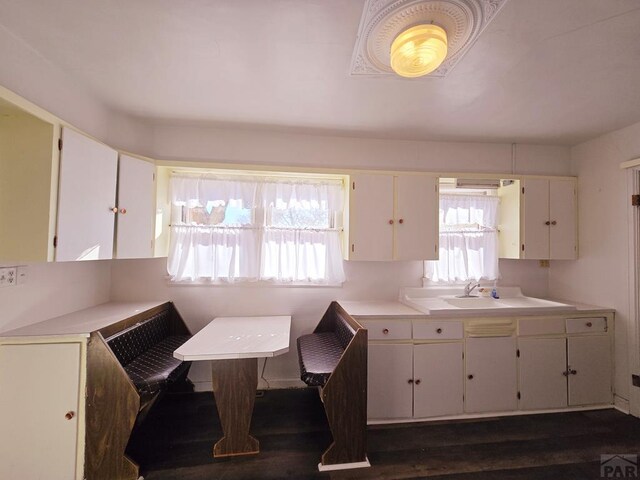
x=249, y=228
x=468, y=239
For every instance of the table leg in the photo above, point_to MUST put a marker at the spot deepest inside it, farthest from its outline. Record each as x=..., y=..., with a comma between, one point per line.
x=234, y=386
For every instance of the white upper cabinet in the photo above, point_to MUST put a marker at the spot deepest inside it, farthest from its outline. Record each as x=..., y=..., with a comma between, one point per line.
x=416, y=218
x=87, y=198
x=548, y=223
x=136, y=207
x=539, y=219
x=371, y=217
x=393, y=217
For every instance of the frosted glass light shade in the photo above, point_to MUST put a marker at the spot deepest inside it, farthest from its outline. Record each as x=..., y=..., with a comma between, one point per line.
x=418, y=50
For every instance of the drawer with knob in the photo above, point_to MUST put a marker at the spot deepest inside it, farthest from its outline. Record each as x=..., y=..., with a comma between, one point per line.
x=388, y=329
x=438, y=330
x=587, y=325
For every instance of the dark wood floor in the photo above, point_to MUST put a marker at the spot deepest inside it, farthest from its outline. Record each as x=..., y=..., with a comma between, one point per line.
x=177, y=439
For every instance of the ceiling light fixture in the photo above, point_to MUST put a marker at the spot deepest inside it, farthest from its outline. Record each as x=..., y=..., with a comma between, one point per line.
x=418, y=50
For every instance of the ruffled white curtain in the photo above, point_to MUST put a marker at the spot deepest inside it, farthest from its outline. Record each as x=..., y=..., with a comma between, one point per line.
x=468, y=239
x=278, y=230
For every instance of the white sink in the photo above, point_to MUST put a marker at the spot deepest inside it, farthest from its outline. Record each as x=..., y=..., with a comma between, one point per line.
x=444, y=301
x=471, y=302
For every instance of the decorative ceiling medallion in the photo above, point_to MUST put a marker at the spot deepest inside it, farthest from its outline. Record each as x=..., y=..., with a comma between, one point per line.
x=383, y=20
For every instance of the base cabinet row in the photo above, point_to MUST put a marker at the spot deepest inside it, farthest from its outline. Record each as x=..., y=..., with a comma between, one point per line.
x=489, y=374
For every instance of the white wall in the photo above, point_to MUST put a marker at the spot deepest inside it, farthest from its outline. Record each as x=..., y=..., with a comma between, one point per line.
x=146, y=279
x=54, y=289
x=599, y=276
x=200, y=143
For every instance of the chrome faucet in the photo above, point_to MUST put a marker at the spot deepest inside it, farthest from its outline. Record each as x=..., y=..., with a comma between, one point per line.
x=469, y=287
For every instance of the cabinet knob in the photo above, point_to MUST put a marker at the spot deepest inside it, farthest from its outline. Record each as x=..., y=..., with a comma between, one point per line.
x=565, y=373
x=385, y=331
x=410, y=381
x=554, y=223
x=418, y=381
x=114, y=209
x=439, y=330
x=470, y=377
x=547, y=222
x=589, y=324
x=573, y=372
x=123, y=211
x=401, y=220
x=390, y=222
x=69, y=415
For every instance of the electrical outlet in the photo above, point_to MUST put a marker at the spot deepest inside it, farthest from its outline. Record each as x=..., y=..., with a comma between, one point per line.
x=23, y=274
x=8, y=276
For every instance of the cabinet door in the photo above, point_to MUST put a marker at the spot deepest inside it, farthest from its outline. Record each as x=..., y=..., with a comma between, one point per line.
x=87, y=195
x=416, y=218
x=562, y=214
x=535, y=215
x=590, y=358
x=542, y=369
x=370, y=214
x=136, y=201
x=390, y=381
x=37, y=440
x=438, y=380
x=491, y=375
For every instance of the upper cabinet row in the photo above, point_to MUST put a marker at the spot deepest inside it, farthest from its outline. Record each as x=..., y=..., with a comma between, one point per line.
x=395, y=217
x=65, y=196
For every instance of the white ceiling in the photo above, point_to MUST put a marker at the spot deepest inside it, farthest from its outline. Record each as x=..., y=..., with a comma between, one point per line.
x=544, y=71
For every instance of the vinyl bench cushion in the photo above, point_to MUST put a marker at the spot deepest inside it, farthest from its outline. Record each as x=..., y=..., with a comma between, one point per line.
x=320, y=352
x=146, y=353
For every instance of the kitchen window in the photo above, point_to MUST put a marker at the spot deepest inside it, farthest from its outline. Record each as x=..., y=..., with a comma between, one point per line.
x=229, y=228
x=468, y=239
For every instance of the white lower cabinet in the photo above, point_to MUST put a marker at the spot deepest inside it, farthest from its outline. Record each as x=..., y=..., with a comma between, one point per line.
x=589, y=363
x=491, y=375
x=418, y=381
x=390, y=381
x=543, y=373
x=420, y=369
x=40, y=438
x=438, y=382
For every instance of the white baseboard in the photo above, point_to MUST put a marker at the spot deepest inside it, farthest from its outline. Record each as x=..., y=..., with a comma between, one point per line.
x=344, y=466
x=472, y=416
x=621, y=404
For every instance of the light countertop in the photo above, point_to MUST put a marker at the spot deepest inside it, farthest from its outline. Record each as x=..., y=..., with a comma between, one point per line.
x=83, y=322
x=379, y=309
x=371, y=310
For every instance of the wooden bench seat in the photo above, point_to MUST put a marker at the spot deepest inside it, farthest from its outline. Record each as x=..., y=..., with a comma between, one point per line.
x=334, y=358
x=132, y=365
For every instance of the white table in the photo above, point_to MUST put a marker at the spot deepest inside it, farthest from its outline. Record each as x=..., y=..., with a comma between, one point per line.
x=233, y=345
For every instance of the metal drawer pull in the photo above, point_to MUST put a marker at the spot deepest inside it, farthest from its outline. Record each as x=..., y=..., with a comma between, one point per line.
x=589, y=324
x=470, y=377
x=410, y=381
x=70, y=415
x=439, y=330
x=385, y=331
x=417, y=382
